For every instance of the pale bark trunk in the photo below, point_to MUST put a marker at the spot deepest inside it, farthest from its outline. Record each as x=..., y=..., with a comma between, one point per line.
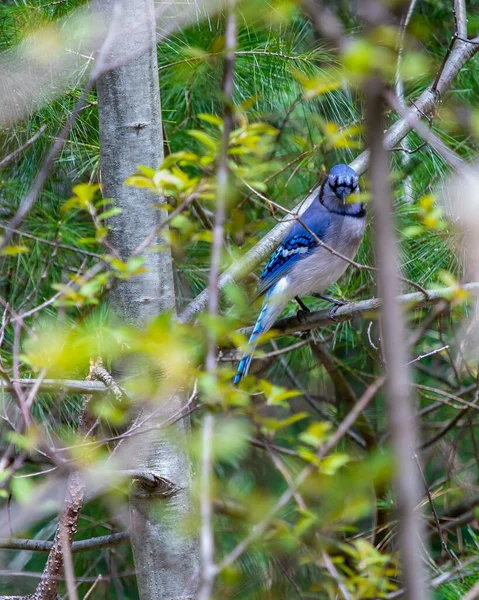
x=131, y=135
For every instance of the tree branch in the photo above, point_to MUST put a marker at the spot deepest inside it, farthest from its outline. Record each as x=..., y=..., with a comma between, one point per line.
x=207, y=563
x=96, y=543
x=362, y=309
x=425, y=132
x=460, y=18
x=71, y=386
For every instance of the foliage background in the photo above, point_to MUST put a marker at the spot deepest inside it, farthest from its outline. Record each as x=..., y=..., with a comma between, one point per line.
x=277, y=51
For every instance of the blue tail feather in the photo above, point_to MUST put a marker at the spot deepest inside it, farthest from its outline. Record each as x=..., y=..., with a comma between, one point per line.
x=270, y=311
x=245, y=361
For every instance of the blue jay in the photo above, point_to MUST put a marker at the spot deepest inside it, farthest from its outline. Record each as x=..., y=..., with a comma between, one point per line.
x=300, y=266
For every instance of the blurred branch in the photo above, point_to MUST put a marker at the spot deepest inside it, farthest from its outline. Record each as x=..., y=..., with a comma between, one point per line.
x=208, y=568
x=223, y=182
x=458, y=57
x=207, y=556
x=30, y=76
x=398, y=401
x=326, y=23
x=472, y=594
x=425, y=132
x=8, y=159
x=96, y=543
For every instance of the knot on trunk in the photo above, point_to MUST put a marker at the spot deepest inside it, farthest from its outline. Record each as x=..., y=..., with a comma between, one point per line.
x=147, y=484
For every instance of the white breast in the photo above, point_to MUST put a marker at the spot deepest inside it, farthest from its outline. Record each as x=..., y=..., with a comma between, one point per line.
x=315, y=273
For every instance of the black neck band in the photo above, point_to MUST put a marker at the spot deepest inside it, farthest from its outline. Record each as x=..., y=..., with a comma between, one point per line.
x=345, y=213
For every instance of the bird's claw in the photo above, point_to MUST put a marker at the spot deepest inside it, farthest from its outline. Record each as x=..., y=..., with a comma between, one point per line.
x=334, y=308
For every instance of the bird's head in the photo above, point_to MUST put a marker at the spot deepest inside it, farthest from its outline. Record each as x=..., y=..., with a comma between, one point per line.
x=342, y=181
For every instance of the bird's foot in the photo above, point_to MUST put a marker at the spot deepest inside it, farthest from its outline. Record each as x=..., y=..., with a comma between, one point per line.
x=334, y=308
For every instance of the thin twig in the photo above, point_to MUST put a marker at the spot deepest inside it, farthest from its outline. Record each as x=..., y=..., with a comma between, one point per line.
x=54, y=244
x=8, y=159
x=204, y=57
x=425, y=132
x=433, y=508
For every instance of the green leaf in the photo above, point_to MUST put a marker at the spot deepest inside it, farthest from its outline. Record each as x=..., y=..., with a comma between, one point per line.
x=14, y=250
x=182, y=157
x=140, y=181
x=276, y=394
x=331, y=464
x=413, y=231
x=204, y=138
x=146, y=171
x=213, y=119
x=86, y=191
x=110, y=213
x=271, y=424
x=316, y=434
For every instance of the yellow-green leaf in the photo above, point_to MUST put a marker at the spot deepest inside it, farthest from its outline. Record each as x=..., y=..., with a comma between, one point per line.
x=14, y=250
x=204, y=138
x=213, y=119
x=140, y=181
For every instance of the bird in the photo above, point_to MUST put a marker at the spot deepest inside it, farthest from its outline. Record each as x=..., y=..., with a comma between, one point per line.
x=302, y=267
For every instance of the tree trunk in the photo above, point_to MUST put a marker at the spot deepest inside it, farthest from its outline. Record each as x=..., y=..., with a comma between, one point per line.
x=131, y=135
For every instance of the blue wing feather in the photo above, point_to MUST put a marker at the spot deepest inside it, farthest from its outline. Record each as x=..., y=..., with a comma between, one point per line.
x=297, y=245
